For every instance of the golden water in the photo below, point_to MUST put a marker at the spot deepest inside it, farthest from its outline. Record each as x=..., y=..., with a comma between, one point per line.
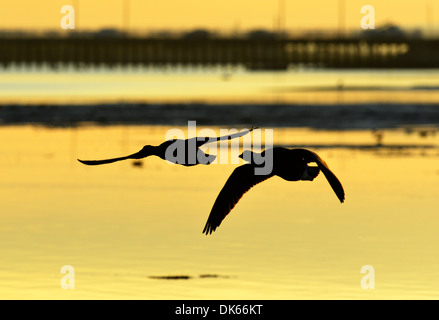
x=95, y=85
x=120, y=225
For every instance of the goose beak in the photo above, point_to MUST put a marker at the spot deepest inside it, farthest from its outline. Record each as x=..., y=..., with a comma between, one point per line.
x=241, y=156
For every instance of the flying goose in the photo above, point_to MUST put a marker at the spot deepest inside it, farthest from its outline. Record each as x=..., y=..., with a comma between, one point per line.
x=289, y=164
x=185, y=152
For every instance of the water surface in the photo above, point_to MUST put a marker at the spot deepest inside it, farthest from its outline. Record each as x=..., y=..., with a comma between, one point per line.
x=20, y=85
x=126, y=228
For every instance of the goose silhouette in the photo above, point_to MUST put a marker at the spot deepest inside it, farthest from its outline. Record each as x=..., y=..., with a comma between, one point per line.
x=192, y=154
x=289, y=164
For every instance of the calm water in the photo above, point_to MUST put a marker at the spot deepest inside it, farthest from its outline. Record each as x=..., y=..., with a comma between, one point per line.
x=24, y=85
x=121, y=225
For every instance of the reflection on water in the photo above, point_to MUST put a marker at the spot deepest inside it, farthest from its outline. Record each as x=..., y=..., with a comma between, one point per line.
x=216, y=84
x=126, y=229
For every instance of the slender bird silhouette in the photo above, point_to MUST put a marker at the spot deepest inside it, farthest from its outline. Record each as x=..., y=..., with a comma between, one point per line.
x=184, y=152
x=289, y=164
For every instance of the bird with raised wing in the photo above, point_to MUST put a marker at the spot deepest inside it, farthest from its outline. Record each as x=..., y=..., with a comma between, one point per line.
x=185, y=152
x=289, y=164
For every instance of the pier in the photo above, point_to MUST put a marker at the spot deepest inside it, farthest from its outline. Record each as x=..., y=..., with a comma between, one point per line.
x=259, y=53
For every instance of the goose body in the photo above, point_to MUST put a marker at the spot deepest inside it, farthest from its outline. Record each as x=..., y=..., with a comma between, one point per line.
x=288, y=164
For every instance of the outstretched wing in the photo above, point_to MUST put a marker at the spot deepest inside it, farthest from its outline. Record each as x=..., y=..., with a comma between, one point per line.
x=240, y=181
x=97, y=162
x=138, y=155
x=236, y=135
x=330, y=176
x=204, y=140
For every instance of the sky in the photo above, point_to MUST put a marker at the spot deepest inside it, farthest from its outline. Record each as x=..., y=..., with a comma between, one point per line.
x=218, y=15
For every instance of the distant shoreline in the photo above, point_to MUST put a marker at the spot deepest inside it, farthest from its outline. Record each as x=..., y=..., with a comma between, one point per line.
x=318, y=116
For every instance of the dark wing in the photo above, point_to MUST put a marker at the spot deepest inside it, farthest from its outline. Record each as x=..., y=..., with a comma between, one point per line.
x=138, y=155
x=236, y=135
x=330, y=176
x=96, y=162
x=203, y=140
x=240, y=181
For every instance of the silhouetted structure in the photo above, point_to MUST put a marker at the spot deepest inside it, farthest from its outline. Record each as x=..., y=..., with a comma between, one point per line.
x=256, y=50
x=289, y=164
